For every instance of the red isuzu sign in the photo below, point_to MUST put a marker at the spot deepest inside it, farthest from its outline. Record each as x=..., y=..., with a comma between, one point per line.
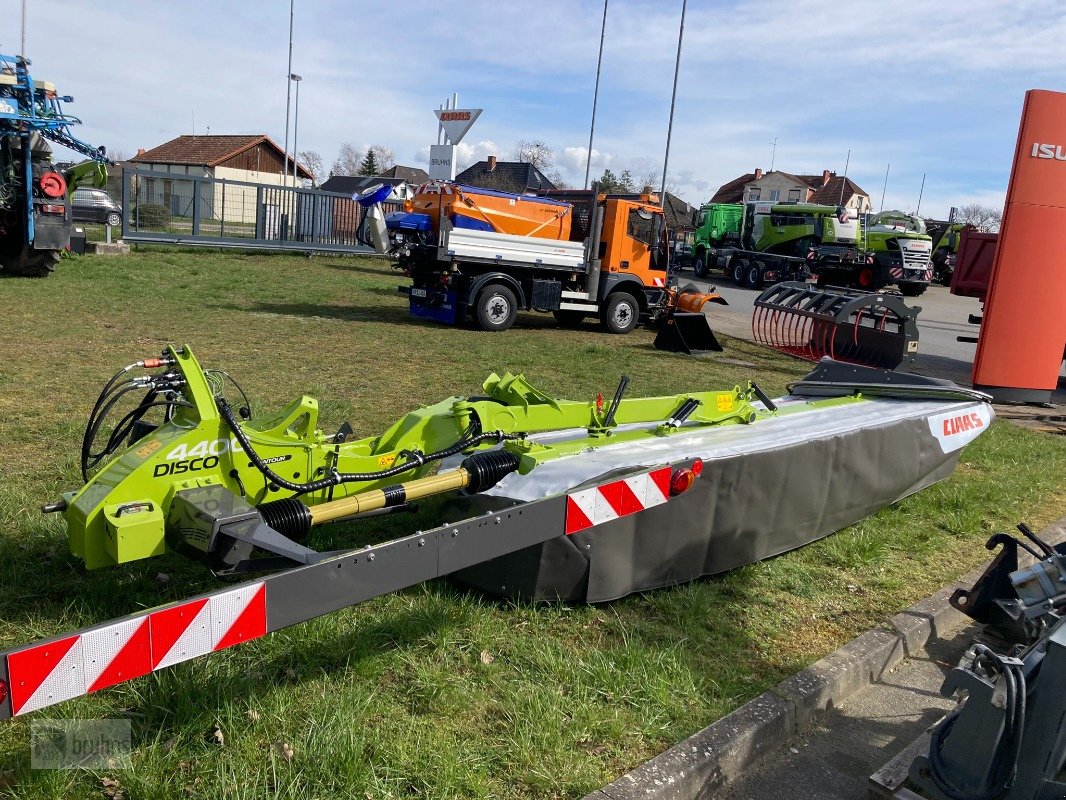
x=1023, y=332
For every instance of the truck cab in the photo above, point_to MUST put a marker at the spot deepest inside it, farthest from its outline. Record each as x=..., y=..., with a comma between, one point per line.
x=718, y=225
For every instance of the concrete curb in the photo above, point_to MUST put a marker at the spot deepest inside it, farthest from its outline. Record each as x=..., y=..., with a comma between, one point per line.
x=710, y=760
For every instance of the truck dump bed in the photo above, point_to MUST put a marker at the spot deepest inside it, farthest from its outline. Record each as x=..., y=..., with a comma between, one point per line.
x=472, y=208
x=486, y=246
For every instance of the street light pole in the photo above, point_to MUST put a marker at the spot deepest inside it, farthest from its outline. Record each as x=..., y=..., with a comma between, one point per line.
x=295, y=127
x=673, y=99
x=596, y=94
x=288, y=92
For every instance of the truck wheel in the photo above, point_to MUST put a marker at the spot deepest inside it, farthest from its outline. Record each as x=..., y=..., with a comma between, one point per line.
x=568, y=318
x=740, y=269
x=699, y=265
x=753, y=277
x=621, y=314
x=496, y=308
x=913, y=289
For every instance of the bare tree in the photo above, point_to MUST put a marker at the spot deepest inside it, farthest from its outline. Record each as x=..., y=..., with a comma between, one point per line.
x=536, y=153
x=383, y=156
x=312, y=162
x=984, y=218
x=649, y=181
x=556, y=177
x=348, y=161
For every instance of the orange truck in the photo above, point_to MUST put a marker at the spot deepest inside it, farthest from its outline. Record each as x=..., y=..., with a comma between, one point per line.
x=480, y=253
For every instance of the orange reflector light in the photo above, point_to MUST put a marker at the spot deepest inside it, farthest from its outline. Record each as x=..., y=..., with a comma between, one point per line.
x=681, y=481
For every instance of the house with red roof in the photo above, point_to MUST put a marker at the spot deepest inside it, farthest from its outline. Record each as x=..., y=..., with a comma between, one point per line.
x=828, y=189
x=252, y=158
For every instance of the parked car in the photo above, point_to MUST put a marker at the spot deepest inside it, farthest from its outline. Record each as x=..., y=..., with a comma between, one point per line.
x=95, y=205
x=682, y=255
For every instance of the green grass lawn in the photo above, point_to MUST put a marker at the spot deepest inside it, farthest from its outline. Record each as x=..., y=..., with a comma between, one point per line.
x=432, y=692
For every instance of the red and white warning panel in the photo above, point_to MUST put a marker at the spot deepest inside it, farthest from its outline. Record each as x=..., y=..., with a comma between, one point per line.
x=600, y=504
x=44, y=674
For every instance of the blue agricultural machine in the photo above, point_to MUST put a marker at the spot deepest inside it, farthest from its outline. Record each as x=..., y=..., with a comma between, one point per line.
x=35, y=218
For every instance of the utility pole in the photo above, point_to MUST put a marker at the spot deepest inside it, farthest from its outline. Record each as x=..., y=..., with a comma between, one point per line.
x=673, y=100
x=596, y=94
x=288, y=91
x=920, y=193
x=884, y=189
x=773, y=153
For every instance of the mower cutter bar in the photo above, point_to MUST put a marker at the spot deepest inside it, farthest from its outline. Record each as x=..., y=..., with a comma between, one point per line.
x=70, y=665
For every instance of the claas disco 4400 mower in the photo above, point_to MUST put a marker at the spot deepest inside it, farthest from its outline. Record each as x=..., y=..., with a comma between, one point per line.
x=550, y=499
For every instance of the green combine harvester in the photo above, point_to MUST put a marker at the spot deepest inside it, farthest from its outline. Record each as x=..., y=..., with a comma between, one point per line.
x=946, y=236
x=901, y=250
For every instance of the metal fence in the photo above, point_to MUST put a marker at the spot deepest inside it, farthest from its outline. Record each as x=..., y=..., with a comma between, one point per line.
x=165, y=207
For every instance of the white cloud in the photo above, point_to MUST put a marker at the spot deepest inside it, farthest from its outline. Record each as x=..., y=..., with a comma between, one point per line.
x=572, y=160
x=941, y=99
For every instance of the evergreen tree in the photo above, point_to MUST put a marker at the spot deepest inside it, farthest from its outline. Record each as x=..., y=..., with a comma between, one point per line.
x=608, y=182
x=369, y=166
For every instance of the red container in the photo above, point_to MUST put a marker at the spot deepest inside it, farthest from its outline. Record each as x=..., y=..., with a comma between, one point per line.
x=973, y=264
x=1023, y=332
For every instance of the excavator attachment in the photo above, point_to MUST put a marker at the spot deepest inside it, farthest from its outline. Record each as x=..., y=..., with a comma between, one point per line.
x=876, y=329
x=685, y=328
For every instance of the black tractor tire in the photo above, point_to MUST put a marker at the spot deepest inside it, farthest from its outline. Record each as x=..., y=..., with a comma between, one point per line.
x=868, y=278
x=699, y=265
x=740, y=271
x=30, y=263
x=113, y=218
x=620, y=314
x=496, y=308
x=753, y=277
x=912, y=289
x=568, y=318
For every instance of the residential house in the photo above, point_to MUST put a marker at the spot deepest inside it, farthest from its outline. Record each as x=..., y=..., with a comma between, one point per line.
x=247, y=158
x=517, y=177
x=357, y=184
x=828, y=188
x=346, y=217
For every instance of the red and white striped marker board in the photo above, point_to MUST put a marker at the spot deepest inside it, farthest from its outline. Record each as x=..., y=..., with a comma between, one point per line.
x=610, y=501
x=45, y=674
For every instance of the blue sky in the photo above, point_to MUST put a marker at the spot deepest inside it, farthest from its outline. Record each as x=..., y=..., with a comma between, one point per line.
x=927, y=87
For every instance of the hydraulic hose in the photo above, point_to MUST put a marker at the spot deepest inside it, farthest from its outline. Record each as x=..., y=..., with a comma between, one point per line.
x=1005, y=766
x=414, y=461
x=96, y=419
x=106, y=400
